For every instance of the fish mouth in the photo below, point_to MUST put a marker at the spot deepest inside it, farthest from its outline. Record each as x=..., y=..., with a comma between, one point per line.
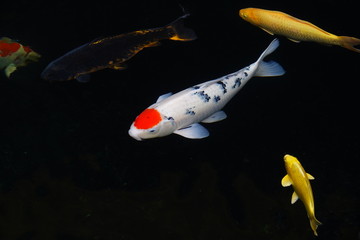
x=133, y=135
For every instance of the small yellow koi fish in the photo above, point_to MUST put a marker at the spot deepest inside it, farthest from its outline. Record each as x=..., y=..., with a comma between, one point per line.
x=275, y=22
x=297, y=177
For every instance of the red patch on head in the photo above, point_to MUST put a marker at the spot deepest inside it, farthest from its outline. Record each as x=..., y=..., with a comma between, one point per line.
x=7, y=49
x=147, y=119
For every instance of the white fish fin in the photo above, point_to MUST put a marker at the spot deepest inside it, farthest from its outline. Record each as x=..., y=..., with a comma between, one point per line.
x=193, y=131
x=10, y=69
x=286, y=181
x=271, y=33
x=294, y=40
x=162, y=97
x=309, y=176
x=271, y=48
x=294, y=198
x=216, y=117
x=268, y=69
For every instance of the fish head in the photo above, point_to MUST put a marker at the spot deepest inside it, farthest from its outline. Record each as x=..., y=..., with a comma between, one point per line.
x=290, y=160
x=57, y=72
x=247, y=14
x=151, y=124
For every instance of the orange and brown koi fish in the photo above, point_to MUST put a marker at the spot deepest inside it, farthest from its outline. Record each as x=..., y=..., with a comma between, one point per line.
x=275, y=22
x=14, y=55
x=112, y=52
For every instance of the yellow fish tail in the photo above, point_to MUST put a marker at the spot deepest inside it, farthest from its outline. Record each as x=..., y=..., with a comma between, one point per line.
x=349, y=43
x=314, y=223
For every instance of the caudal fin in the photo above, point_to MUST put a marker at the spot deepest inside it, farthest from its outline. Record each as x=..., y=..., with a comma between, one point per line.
x=349, y=43
x=271, y=68
x=314, y=223
x=181, y=33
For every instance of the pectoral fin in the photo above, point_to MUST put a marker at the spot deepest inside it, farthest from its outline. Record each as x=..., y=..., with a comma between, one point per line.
x=193, y=131
x=83, y=78
x=309, y=176
x=218, y=116
x=118, y=66
x=286, y=181
x=10, y=69
x=267, y=31
x=294, y=197
x=154, y=44
x=294, y=40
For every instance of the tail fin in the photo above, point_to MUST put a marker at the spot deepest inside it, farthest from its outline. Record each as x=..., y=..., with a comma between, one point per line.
x=349, y=43
x=271, y=68
x=314, y=223
x=181, y=33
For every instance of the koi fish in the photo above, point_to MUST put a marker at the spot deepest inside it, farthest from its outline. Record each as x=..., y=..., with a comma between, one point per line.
x=297, y=177
x=112, y=52
x=181, y=113
x=14, y=55
x=275, y=22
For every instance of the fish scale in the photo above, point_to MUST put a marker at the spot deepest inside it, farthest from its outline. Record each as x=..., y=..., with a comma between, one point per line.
x=202, y=101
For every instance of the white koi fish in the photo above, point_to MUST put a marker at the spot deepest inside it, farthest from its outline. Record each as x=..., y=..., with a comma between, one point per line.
x=181, y=113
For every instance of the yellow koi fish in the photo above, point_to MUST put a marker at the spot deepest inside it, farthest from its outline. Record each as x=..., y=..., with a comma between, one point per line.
x=297, y=177
x=275, y=22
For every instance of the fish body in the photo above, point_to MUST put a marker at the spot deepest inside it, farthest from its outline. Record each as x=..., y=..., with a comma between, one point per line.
x=14, y=55
x=112, y=52
x=299, y=179
x=181, y=113
x=276, y=22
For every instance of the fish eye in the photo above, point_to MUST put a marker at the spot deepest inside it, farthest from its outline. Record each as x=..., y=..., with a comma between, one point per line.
x=153, y=130
x=243, y=13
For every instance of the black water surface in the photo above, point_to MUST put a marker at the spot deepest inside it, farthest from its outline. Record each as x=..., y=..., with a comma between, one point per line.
x=69, y=169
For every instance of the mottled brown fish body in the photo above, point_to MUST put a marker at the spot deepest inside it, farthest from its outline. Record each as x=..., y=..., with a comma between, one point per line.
x=112, y=52
x=276, y=22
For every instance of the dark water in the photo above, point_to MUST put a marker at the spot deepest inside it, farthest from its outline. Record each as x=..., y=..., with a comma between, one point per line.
x=69, y=170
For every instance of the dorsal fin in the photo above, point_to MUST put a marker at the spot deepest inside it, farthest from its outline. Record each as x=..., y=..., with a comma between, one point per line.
x=164, y=96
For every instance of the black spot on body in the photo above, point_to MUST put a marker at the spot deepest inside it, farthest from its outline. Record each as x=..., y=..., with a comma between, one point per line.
x=223, y=86
x=196, y=87
x=190, y=112
x=237, y=83
x=246, y=74
x=203, y=96
x=217, y=98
